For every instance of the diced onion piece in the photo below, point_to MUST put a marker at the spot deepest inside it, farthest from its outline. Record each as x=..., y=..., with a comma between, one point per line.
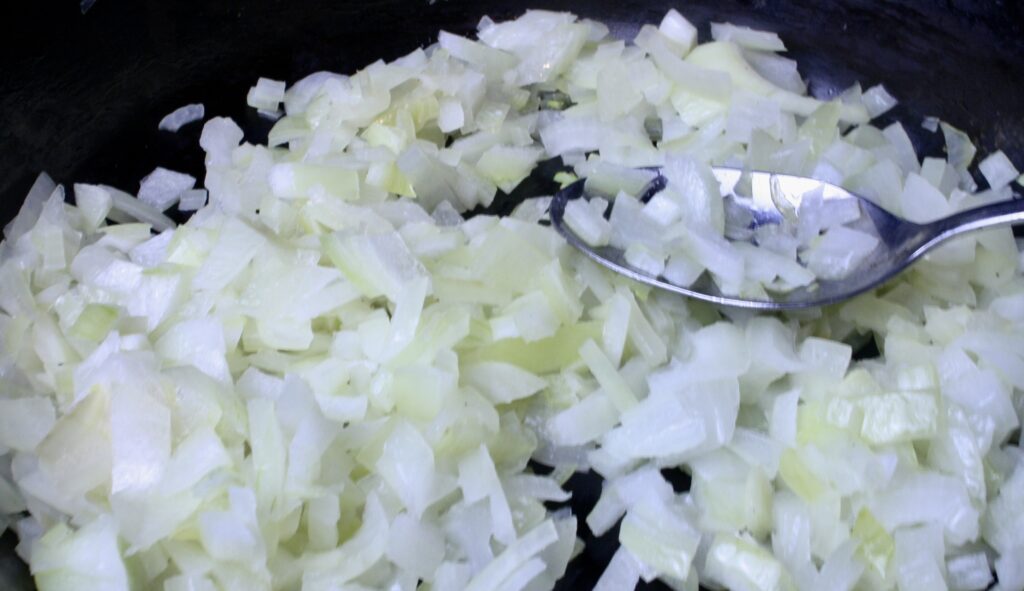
x=125, y=208
x=41, y=190
x=747, y=37
x=682, y=270
x=502, y=382
x=816, y=215
x=514, y=557
x=192, y=200
x=921, y=201
x=24, y=422
x=960, y=151
x=969, y=571
x=451, y=116
x=917, y=564
x=740, y=563
x=182, y=116
x=679, y=31
x=492, y=61
x=877, y=100
x=587, y=223
x=613, y=383
x=998, y=170
x=94, y=202
x=839, y=252
x=778, y=70
x=162, y=188
x=702, y=203
x=645, y=259
x=219, y=139
x=606, y=179
x=586, y=421
x=267, y=95
x=296, y=180
x=622, y=572
x=507, y=166
x=86, y=559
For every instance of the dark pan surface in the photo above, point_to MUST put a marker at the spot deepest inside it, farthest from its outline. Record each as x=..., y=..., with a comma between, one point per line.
x=81, y=95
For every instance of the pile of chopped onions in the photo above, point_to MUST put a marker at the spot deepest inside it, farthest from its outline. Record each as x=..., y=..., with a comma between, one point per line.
x=329, y=379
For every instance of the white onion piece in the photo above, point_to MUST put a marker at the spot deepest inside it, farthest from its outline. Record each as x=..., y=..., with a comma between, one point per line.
x=747, y=37
x=162, y=188
x=679, y=31
x=192, y=199
x=27, y=216
x=998, y=170
x=182, y=116
x=588, y=224
x=267, y=95
x=877, y=100
x=778, y=70
x=125, y=208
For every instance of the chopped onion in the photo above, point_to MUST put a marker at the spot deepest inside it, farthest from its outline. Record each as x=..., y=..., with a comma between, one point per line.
x=877, y=100
x=267, y=95
x=778, y=70
x=28, y=215
x=998, y=170
x=747, y=37
x=182, y=116
x=329, y=377
x=192, y=199
x=162, y=188
x=587, y=223
x=126, y=208
x=678, y=30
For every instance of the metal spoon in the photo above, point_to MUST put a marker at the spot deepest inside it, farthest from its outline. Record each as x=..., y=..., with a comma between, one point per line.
x=901, y=242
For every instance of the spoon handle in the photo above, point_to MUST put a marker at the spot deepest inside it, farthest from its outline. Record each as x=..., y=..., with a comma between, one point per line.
x=1001, y=213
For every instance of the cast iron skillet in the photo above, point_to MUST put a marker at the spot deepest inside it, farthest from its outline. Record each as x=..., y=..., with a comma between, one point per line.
x=80, y=95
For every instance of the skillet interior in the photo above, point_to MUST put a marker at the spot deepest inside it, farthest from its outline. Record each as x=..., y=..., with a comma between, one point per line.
x=80, y=95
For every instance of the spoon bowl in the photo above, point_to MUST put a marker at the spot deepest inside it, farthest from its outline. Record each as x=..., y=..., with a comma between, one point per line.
x=755, y=198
